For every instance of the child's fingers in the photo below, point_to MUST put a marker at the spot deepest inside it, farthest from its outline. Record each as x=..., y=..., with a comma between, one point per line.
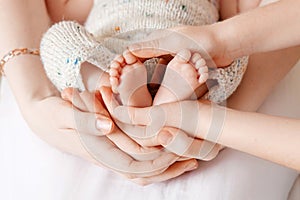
x=72, y=95
x=91, y=116
x=85, y=101
x=108, y=99
x=92, y=103
x=178, y=142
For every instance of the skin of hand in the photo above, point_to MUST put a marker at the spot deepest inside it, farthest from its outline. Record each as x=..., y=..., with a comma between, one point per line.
x=49, y=116
x=220, y=125
x=46, y=113
x=243, y=99
x=141, y=165
x=68, y=10
x=265, y=70
x=28, y=95
x=155, y=122
x=224, y=41
x=195, y=38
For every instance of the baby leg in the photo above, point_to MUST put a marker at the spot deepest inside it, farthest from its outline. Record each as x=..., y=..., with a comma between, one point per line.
x=184, y=74
x=128, y=78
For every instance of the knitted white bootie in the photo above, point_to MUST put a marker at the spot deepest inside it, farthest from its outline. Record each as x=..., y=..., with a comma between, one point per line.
x=228, y=79
x=64, y=47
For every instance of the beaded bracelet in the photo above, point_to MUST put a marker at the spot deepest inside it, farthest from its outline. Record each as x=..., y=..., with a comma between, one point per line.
x=16, y=52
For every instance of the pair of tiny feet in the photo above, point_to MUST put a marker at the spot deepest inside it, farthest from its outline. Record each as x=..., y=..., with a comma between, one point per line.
x=184, y=74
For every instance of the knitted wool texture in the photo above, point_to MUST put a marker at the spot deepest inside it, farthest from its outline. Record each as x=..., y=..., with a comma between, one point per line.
x=113, y=25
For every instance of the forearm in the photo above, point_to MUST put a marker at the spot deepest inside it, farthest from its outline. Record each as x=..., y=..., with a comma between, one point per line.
x=260, y=30
x=264, y=71
x=263, y=139
x=24, y=23
x=273, y=138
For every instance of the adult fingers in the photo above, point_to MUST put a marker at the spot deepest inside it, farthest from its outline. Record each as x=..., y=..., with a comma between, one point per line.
x=129, y=115
x=141, y=134
x=103, y=150
x=96, y=146
x=108, y=99
x=163, y=42
x=144, y=123
x=135, y=150
x=85, y=101
x=178, y=142
x=72, y=95
x=153, y=47
x=200, y=119
x=86, y=114
x=86, y=123
x=122, y=144
x=173, y=171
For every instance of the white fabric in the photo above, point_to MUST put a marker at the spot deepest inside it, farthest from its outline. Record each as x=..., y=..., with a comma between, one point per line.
x=32, y=170
x=110, y=29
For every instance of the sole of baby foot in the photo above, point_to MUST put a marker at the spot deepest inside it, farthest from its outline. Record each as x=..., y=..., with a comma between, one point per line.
x=128, y=79
x=184, y=74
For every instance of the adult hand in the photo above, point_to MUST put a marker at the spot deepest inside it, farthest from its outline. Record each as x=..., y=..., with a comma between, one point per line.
x=176, y=131
x=52, y=119
x=117, y=151
x=203, y=39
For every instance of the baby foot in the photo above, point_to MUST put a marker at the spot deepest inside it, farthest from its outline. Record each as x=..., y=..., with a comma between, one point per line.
x=184, y=74
x=128, y=79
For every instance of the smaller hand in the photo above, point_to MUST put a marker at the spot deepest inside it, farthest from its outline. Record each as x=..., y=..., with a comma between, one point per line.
x=184, y=139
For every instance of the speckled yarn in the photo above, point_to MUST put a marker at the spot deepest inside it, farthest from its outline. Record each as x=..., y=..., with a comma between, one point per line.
x=114, y=24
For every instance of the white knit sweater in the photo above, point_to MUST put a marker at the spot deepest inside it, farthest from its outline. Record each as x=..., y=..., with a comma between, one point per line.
x=114, y=24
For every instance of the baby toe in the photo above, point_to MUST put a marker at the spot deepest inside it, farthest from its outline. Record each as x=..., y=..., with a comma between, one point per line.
x=195, y=58
x=129, y=57
x=200, y=63
x=119, y=58
x=203, y=78
x=203, y=70
x=114, y=84
x=113, y=72
x=115, y=65
x=183, y=56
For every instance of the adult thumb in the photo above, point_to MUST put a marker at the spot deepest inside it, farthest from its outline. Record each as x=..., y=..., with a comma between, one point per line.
x=149, y=49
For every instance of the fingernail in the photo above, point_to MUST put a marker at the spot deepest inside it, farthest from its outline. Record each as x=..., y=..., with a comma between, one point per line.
x=64, y=95
x=104, y=125
x=191, y=166
x=165, y=137
x=67, y=94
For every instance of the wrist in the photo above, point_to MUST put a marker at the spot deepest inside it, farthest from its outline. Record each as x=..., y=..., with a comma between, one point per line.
x=234, y=36
x=224, y=33
x=204, y=118
x=27, y=79
x=220, y=44
x=211, y=120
